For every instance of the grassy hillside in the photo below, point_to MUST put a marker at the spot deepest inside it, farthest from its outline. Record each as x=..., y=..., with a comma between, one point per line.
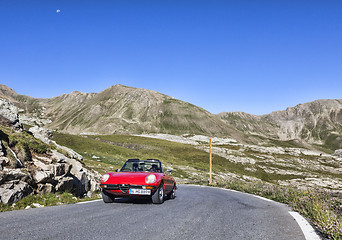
x=108, y=152
x=190, y=163
x=125, y=110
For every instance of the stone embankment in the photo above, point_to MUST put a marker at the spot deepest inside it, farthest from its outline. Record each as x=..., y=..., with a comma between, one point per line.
x=59, y=169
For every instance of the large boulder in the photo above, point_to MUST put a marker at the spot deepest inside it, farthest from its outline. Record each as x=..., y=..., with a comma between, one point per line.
x=45, y=188
x=3, y=162
x=9, y=115
x=60, y=169
x=65, y=184
x=7, y=175
x=42, y=176
x=84, y=180
x=14, y=191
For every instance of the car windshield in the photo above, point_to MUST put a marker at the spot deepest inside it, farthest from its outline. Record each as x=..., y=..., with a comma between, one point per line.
x=142, y=166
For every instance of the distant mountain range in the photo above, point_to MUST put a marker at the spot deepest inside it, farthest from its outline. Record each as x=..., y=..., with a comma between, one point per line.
x=126, y=110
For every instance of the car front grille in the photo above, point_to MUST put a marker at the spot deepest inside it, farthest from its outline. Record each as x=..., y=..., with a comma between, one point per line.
x=124, y=188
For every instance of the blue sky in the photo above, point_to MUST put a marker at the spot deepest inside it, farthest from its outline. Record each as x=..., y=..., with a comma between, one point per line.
x=252, y=56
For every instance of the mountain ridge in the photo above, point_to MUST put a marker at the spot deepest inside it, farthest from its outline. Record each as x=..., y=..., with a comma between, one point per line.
x=120, y=110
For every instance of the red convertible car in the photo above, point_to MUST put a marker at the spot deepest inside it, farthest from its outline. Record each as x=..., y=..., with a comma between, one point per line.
x=138, y=178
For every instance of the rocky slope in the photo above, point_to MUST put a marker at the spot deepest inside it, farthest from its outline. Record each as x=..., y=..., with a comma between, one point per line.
x=318, y=122
x=30, y=166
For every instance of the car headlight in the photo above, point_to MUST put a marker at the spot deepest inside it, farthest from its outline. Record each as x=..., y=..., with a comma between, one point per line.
x=105, y=177
x=150, y=179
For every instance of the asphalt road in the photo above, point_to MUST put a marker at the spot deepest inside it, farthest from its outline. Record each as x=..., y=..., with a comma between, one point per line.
x=196, y=213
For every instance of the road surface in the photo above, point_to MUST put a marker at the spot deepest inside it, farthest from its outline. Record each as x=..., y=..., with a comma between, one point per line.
x=196, y=213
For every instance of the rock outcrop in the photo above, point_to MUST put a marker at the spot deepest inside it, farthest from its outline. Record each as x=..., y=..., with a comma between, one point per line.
x=9, y=115
x=52, y=170
x=56, y=173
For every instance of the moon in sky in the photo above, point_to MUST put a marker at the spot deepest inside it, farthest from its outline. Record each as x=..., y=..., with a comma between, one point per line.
x=58, y=11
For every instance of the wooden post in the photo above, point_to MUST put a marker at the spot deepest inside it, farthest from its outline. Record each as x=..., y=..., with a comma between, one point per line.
x=210, y=163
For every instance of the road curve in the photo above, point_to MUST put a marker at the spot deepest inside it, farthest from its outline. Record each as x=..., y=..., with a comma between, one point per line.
x=196, y=213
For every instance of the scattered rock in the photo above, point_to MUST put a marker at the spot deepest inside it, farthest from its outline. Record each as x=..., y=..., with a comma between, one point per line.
x=32, y=120
x=70, y=153
x=40, y=165
x=37, y=205
x=189, y=139
x=41, y=133
x=338, y=152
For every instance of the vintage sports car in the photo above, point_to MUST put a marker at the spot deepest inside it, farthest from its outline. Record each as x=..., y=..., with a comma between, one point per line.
x=138, y=178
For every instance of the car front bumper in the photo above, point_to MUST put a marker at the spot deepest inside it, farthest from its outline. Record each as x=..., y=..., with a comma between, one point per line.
x=123, y=189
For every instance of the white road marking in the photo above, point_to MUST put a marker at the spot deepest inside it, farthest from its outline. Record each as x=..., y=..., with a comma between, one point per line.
x=308, y=231
x=265, y=199
x=89, y=201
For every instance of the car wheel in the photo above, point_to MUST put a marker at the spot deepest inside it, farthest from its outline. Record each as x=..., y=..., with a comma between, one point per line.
x=158, y=196
x=172, y=194
x=107, y=198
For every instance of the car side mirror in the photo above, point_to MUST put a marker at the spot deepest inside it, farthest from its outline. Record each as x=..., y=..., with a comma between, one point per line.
x=117, y=170
x=168, y=171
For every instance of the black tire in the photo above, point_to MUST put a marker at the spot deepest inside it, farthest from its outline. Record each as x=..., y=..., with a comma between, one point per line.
x=158, y=196
x=172, y=194
x=107, y=198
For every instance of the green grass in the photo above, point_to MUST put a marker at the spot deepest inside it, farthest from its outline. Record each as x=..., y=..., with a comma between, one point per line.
x=50, y=199
x=113, y=150
x=22, y=143
x=116, y=149
x=285, y=144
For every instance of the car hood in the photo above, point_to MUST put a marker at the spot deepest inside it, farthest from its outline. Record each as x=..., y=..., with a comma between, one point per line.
x=133, y=178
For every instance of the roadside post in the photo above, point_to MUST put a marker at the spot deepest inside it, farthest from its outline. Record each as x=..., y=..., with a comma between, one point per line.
x=210, y=163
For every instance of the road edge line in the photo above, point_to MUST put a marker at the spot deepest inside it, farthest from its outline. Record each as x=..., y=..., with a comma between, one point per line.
x=307, y=229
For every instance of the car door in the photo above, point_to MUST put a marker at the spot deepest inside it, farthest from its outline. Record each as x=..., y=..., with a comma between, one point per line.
x=168, y=182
